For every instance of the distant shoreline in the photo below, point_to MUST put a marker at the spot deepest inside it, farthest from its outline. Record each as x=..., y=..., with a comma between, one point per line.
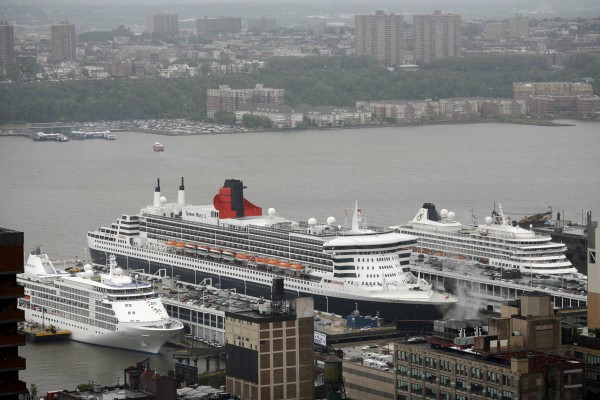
x=20, y=129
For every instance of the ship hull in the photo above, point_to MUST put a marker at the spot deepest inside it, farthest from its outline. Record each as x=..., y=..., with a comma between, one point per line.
x=126, y=337
x=342, y=304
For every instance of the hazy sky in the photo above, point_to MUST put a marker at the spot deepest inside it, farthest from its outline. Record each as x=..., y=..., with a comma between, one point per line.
x=108, y=14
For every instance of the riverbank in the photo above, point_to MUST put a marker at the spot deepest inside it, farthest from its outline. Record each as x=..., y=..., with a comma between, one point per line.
x=183, y=127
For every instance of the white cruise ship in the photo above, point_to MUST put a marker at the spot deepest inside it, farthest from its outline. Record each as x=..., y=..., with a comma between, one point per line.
x=497, y=242
x=111, y=309
x=231, y=242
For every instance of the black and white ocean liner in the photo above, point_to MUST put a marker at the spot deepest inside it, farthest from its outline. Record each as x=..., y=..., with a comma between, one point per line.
x=231, y=242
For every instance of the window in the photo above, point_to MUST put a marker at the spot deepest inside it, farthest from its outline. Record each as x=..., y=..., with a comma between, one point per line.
x=416, y=373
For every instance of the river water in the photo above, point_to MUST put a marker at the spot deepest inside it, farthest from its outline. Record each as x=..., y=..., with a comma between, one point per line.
x=56, y=192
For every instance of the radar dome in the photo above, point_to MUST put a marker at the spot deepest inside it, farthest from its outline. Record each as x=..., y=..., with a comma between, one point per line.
x=87, y=267
x=312, y=221
x=88, y=274
x=163, y=199
x=488, y=220
x=330, y=220
x=443, y=212
x=271, y=212
x=118, y=271
x=451, y=215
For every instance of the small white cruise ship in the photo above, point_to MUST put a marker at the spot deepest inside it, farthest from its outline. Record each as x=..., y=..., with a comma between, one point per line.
x=231, y=242
x=111, y=309
x=496, y=242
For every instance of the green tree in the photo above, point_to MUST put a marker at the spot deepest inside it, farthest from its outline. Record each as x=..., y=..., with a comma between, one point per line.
x=33, y=390
x=256, y=121
x=224, y=117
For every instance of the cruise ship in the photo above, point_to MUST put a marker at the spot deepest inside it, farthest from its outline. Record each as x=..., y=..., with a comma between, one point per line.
x=112, y=309
x=496, y=242
x=232, y=245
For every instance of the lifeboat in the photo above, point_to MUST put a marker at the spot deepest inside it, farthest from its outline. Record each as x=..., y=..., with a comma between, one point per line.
x=297, y=267
x=214, y=252
x=190, y=248
x=241, y=257
x=284, y=264
x=171, y=244
x=227, y=255
x=423, y=251
x=261, y=261
x=202, y=250
x=439, y=254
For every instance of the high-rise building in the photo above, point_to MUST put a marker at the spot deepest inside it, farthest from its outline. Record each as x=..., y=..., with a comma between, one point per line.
x=219, y=25
x=229, y=100
x=273, y=351
x=7, y=44
x=380, y=36
x=495, y=31
x=593, y=280
x=518, y=27
x=162, y=23
x=63, y=42
x=11, y=263
x=263, y=24
x=435, y=36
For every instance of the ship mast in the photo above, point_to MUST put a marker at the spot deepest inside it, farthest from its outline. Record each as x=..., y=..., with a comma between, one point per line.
x=356, y=218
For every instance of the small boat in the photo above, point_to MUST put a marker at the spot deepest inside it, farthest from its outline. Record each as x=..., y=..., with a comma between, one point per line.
x=241, y=257
x=214, y=252
x=158, y=146
x=34, y=332
x=190, y=248
x=202, y=250
x=228, y=255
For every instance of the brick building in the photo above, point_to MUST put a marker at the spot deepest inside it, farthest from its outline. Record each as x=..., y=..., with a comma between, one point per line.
x=273, y=352
x=11, y=264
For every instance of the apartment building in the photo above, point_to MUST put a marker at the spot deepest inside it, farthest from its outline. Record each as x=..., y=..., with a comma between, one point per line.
x=163, y=23
x=435, y=36
x=495, y=31
x=548, y=99
x=281, y=115
x=518, y=359
x=63, y=42
x=219, y=25
x=518, y=27
x=380, y=36
x=7, y=44
x=230, y=100
x=262, y=24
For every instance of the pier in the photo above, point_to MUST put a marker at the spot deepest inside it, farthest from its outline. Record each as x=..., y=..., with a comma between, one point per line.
x=486, y=293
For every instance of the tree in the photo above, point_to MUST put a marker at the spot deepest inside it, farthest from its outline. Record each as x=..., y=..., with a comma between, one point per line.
x=33, y=390
x=256, y=121
x=224, y=117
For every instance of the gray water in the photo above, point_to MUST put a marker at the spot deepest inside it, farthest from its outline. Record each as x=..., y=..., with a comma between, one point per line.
x=56, y=192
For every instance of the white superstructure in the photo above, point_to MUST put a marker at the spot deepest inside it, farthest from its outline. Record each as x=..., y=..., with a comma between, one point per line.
x=111, y=309
x=235, y=245
x=496, y=242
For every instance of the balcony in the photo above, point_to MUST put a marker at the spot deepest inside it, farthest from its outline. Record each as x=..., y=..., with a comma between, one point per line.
x=13, y=388
x=12, y=340
x=12, y=292
x=12, y=316
x=11, y=364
